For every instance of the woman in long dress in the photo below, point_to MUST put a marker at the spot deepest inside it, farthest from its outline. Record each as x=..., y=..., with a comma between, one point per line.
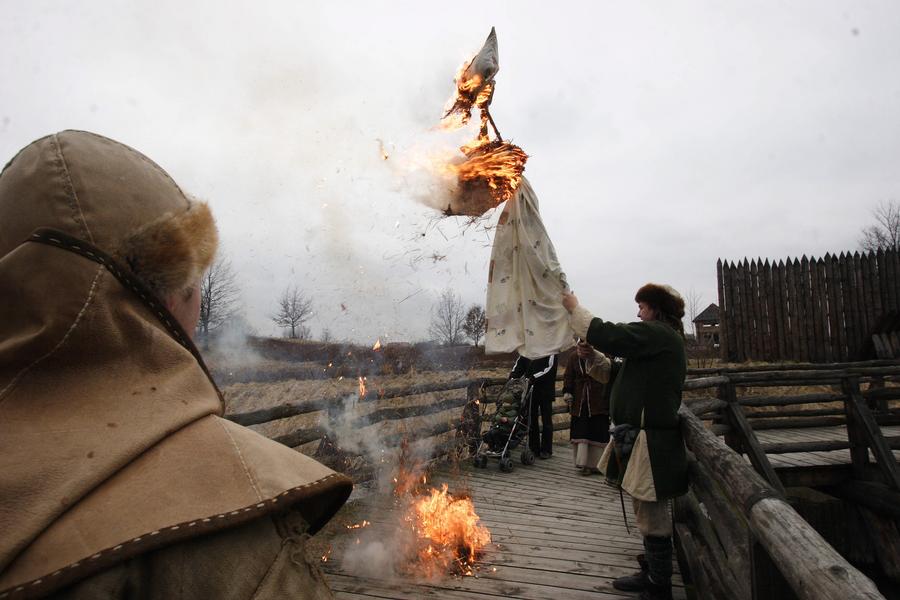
x=585, y=391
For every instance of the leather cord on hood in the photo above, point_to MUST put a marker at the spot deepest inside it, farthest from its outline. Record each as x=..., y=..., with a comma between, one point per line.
x=58, y=239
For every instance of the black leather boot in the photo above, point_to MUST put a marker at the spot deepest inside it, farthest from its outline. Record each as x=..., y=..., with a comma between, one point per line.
x=655, y=591
x=635, y=582
x=658, y=585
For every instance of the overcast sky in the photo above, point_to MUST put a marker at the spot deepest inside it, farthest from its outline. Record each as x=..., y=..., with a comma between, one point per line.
x=662, y=135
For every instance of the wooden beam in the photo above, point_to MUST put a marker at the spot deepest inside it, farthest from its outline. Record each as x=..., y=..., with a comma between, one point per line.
x=761, y=423
x=885, y=537
x=790, y=400
x=730, y=527
x=709, y=545
x=702, y=571
x=864, y=422
x=812, y=568
x=795, y=366
x=292, y=409
x=870, y=494
x=405, y=412
x=700, y=406
x=704, y=382
x=748, y=439
x=733, y=437
x=817, y=446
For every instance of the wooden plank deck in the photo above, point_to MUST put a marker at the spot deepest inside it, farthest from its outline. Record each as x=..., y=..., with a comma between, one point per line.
x=555, y=534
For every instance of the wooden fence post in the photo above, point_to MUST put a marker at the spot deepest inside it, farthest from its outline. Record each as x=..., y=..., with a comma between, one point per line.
x=746, y=439
x=859, y=452
x=732, y=438
x=867, y=434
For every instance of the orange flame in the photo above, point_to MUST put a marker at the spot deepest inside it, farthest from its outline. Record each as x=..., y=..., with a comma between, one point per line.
x=449, y=535
x=450, y=532
x=496, y=164
x=377, y=345
x=362, y=388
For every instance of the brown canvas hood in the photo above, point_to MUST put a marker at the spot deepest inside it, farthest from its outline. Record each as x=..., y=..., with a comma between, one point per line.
x=111, y=436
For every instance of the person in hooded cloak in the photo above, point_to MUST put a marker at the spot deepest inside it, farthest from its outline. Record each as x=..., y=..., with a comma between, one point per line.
x=118, y=475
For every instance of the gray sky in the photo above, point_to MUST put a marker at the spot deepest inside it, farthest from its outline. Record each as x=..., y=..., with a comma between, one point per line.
x=662, y=135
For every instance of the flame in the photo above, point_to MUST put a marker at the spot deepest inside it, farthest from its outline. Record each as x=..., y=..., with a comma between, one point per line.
x=377, y=345
x=359, y=525
x=362, y=387
x=450, y=532
x=495, y=163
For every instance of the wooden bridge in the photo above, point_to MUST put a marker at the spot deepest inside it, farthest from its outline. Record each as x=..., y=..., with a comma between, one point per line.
x=759, y=482
x=555, y=534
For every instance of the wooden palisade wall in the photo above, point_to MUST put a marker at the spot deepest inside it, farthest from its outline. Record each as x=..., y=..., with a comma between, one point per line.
x=812, y=310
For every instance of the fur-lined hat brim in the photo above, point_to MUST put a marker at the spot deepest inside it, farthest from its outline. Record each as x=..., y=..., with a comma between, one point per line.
x=663, y=298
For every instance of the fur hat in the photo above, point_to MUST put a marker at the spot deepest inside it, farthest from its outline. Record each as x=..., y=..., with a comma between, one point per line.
x=172, y=252
x=662, y=298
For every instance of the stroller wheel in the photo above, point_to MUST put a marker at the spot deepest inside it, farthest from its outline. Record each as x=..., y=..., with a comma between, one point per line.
x=527, y=457
x=480, y=461
x=506, y=464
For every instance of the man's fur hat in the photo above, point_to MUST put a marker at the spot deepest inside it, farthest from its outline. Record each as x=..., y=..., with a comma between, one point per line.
x=665, y=300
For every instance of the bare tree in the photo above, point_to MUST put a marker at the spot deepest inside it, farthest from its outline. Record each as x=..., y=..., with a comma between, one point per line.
x=447, y=318
x=218, y=297
x=692, y=301
x=294, y=309
x=885, y=233
x=474, y=324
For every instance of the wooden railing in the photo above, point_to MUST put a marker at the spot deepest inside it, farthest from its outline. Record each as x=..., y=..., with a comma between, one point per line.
x=737, y=532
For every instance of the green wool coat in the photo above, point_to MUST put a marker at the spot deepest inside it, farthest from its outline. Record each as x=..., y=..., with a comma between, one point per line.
x=648, y=383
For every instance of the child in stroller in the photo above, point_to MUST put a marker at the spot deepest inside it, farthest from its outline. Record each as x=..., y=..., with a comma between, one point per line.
x=509, y=426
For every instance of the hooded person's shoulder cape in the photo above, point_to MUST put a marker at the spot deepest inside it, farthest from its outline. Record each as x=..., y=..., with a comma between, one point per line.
x=112, y=441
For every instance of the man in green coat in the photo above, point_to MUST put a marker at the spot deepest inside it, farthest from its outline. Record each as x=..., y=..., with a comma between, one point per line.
x=646, y=456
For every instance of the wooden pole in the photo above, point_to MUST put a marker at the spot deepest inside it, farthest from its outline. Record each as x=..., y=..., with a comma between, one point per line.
x=779, y=283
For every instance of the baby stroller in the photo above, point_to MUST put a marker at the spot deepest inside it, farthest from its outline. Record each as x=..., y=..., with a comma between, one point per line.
x=511, y=424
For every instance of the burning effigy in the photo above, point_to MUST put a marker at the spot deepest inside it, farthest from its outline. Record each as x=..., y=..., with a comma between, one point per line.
x=489, y=170
x=525, y=280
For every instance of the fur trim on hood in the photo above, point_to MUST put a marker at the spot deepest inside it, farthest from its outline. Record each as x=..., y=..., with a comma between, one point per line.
x=171, y=253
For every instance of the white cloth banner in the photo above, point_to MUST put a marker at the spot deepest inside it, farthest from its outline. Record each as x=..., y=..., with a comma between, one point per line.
x=525, y=284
